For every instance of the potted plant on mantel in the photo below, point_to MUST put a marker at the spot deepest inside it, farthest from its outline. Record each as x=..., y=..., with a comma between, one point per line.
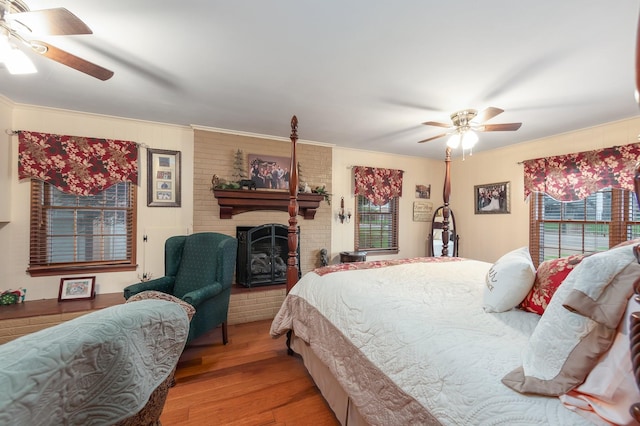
x=322, y=190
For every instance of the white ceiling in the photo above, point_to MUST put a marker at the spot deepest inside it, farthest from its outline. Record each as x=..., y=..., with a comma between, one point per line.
x=357, y=73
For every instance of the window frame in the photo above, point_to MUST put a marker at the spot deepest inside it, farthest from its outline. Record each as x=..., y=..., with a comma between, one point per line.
x=394, y=248
x=38, y=262
x=621, y=226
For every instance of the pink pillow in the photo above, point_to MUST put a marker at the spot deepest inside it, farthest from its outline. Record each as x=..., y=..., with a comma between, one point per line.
x=549, y=276
x=610, y=388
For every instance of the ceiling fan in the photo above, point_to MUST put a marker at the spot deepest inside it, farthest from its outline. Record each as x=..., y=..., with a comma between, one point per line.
x=16, y=20
x=466, y=122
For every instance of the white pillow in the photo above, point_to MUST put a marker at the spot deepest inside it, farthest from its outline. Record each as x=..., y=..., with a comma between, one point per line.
x=508, y=281
x=566, y=344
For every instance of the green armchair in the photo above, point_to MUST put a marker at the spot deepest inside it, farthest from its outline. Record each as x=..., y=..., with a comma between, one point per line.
x=199, y=270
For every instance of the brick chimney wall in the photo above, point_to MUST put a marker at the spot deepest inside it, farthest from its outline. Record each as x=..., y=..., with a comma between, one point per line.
x=214, y=153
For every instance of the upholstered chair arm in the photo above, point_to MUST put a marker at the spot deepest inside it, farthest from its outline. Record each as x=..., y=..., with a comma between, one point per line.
x=196, y=297
x=163, y=284
x=227, y=250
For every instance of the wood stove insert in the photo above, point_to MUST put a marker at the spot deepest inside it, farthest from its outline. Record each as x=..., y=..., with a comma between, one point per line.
x=262, y=254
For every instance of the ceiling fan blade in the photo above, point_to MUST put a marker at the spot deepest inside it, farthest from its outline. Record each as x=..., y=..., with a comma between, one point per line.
x=432, y=138
x=499, y=127
x=487, y=114
x=72, y=61
x=436, y=123
x=58, y=21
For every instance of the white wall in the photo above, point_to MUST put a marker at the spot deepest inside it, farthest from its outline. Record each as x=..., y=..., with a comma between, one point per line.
x=413, y=236
x=156, y=221
x=488, y=236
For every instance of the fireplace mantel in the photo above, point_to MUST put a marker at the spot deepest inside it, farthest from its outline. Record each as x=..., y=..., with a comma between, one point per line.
x=232, y=201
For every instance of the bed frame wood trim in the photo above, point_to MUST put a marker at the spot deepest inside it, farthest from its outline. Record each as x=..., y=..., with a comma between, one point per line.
x=634, y=326
x=446, y=211
x=292, y=266
x=634, y=339
x=634, y=323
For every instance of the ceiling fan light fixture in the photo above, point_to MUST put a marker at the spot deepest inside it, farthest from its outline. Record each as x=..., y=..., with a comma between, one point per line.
x=465, y=137
x=469, y=139
x=465, y=124
x=17, y=62
x=14, y=59
x=454, y=141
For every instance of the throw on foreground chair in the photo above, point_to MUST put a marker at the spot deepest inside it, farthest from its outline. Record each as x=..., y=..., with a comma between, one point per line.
x=112, y=366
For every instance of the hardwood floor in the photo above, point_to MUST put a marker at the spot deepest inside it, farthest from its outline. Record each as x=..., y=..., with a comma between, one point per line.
x=249, y=381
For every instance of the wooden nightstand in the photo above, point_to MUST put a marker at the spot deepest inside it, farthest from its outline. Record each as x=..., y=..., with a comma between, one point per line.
x=353, y=256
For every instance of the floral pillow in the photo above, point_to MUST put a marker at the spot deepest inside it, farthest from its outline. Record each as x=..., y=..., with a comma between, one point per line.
x=549, y=276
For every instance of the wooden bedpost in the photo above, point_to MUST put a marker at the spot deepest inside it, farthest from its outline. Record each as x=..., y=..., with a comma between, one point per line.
x=292, y=266
x=446, y=191
x=637, y=69
x=636, y=182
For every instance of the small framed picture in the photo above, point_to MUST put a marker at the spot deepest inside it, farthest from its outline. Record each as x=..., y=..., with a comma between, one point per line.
x=492, y=198
x=163, y=178
x=82, y=288
x=423, y=191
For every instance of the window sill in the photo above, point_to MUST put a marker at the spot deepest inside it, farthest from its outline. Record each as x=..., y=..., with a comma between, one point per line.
x=43, y=271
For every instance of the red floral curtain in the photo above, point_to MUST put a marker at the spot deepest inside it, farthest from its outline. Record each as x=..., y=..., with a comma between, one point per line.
x=576, y=176
x=77, y=165
x=378, y=185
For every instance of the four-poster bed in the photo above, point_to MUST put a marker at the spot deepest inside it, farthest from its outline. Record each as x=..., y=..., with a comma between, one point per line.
x=413, y=341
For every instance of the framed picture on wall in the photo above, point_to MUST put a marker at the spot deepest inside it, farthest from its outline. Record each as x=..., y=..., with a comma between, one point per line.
x=492, y=198
x=423, y=191
x=422, y=211
x=269, y=172
x=77, y=288
x=163, y=178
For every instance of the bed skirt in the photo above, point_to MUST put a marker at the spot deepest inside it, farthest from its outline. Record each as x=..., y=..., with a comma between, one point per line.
x=346, y=413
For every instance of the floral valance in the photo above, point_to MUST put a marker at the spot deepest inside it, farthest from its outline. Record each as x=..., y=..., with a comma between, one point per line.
x=576, y=176
x=378, y=185
x=77, y=165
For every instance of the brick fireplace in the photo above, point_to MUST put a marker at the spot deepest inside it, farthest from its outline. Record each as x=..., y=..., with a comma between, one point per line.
x=214, y=153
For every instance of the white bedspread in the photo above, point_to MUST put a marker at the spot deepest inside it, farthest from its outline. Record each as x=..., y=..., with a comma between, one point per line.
x=424, y=326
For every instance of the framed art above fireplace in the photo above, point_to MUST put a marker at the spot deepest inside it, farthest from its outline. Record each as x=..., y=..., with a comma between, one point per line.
x=269, y=171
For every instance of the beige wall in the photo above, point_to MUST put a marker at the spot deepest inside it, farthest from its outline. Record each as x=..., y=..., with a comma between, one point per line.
x=412, y=237
x=6, y=161
x=215, y=153
x=156, y=222
x=484, y=237
x=487, y=237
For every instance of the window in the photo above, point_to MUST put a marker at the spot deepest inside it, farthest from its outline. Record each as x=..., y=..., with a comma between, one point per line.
x=78, y=234
x=596, y=223
x=376, y=226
